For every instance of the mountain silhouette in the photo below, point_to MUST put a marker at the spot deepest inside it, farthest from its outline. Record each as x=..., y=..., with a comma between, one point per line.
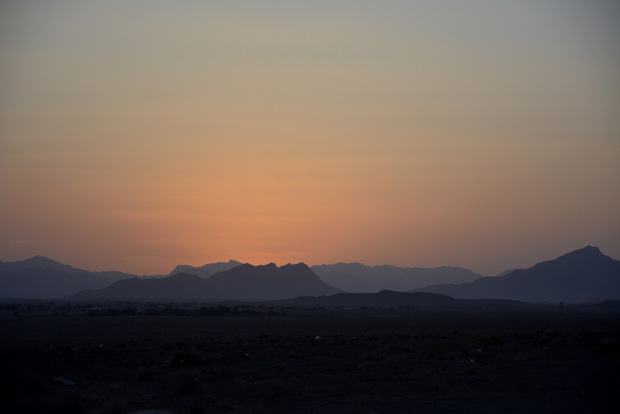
x=390, y=299
x=177, y=286
x=35, y=262
x=359, y=278
x=384, y=298
x=207, y=270
x=244, y=282
x=269, y=282
x=41, y=277
x=574, y=277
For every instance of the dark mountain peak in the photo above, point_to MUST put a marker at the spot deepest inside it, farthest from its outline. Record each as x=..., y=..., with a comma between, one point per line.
x=584, y=257
x=37, y=262
x=42, y=261
x=267, y=282
x=229, y=264
x=297, y=266
x=38, y=257
x=180, y=268
x=574, y=277
x=207, y=270
x=588, y=252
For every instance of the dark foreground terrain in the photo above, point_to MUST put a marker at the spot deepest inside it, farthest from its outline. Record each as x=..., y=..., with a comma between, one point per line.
x=309, y=361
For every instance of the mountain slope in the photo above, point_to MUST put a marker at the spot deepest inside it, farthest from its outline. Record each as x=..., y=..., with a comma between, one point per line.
x=268, y=282
x=45, y=282
x=207, y=270
x=245, y=282
x=392, y=299
x=41, y=277
x=384, y=298
x=359, y=278
x=574, y=277
x=37, y=262
x=177, y=286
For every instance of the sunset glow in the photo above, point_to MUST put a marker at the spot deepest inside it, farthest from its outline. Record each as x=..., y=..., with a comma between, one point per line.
x=138, y=135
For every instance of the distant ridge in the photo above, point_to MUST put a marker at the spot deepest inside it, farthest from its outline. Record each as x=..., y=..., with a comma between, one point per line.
x=584, y=275
x=384, y=298
x=270, y=281
x=359, y=278
x=37, y=261
x=207, y=270
x=177, y=286
x=244, y=282
x=578, y=276
x=41, y=277
x=392, y=299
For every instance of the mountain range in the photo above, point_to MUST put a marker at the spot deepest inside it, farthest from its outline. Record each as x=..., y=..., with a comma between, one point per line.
x=574, y=277
x=389, y=298
x=207, y=270
x=40, y=277
x=578, y=276
x=243, y=282
x=359, y=278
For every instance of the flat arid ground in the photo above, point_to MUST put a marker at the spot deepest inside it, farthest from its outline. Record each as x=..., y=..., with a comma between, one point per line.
x=310, y=361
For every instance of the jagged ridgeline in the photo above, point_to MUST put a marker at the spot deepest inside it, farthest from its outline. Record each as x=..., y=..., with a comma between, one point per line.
x=579, y=276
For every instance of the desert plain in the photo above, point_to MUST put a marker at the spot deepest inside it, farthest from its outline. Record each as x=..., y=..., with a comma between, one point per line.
x=192, y=358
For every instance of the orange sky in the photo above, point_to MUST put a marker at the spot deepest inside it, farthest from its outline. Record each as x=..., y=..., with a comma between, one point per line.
x=140, y=135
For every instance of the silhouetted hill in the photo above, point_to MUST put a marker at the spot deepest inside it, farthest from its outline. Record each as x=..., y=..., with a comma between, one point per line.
x=41, y=277
x=384, y=298
x=356, y=277
x=45, y=282
x=207, y=270
x=268, y=282
x=37, y=262
x=244, y=282
x=392, y=299
x=574, y=277
x=178, y=286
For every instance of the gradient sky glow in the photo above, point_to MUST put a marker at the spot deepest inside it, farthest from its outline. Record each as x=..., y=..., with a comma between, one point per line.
x=138, y=135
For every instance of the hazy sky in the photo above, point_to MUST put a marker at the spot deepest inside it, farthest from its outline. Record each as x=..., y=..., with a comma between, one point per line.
x=138, y=135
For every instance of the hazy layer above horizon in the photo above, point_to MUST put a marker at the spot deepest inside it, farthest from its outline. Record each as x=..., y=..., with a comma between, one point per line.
x=140, y=135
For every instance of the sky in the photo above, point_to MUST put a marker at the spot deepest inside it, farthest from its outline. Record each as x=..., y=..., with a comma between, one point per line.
x=139, y=135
